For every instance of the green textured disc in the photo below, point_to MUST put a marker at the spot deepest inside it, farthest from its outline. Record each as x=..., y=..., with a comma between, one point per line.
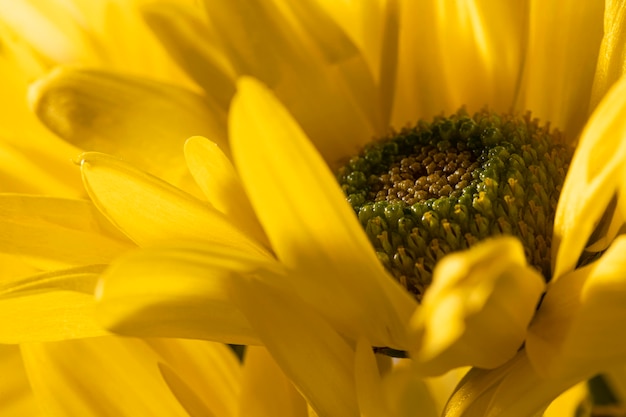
x=440, y=187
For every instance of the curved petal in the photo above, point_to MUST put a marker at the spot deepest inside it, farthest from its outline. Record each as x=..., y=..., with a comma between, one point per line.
x=219, y=181
x=455, y=54
x=308, y=350
x=558, y=78
x=145, y=122
x=594, y=176
x=575, y=328
x=149, y=210
x=477, y=309
x=181, y=290
x=52, y=233
x=313, y=230
x=50, y=306
x=61, y=373
x=266, y=391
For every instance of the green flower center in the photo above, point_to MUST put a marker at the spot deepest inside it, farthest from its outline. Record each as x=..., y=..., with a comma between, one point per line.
x=440, y=187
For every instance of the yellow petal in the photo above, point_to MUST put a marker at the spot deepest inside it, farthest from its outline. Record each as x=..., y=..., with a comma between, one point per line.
x=174, y=25
x=308, y=350
x=221, y=184
x=571, y=402
x=612, y=56
x=266, y=391
x=145, y=122
x=54, y=233
x=204, y=376
x=50, y=306
x=399, y=392
x=557, y=78
x=104, y=376
x=513, y=390
x=477, y=309
x=59, y=36
x=177, y=291
x=369, y=382
x=261, y=42
x=149, y=210
x=16, y=397
x=576, y=328
x=455, y=54
x=25, y=172
x=313, y=230
x=593, y=178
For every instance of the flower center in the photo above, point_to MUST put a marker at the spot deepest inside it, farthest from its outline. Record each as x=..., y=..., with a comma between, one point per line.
x=440, y=187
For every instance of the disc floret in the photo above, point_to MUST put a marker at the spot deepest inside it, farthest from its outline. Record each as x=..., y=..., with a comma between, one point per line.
x=440, y=187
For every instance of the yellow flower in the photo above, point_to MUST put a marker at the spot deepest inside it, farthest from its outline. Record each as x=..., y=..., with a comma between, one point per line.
x=307, y=283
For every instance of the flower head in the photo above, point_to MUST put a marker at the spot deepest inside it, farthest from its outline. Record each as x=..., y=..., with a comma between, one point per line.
x=264, y=248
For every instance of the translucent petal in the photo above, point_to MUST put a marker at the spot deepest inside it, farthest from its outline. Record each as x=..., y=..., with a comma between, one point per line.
x=612, y=56
x=575, y=329
x=16, y=397
x=50, y=306
x=472, y=58
x=90, y=377
x=181, y=290
x=308, y=350
x=142, y=121
x=157, y=212
x=557, y=78
x=221, y=184
x=54, y=233
x=266, y=391
x=593, y=178
x=477, y=309
x=313, y=231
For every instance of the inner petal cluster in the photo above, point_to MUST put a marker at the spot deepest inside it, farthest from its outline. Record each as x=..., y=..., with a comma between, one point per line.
x=440, y=187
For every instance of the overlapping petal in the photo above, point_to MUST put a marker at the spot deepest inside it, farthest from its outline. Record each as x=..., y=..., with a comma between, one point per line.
x=50, y=306
x=455, y=54
x=55, y=233
x=266, y=390
x=157, y=211
x=90, y=377
x=181, y=290
x=15, y=393
x=308, y=350
x=334, y=101
x=595, y=175
x=143, y=121
x=477, y=309
x=557, y=79
x=574, y=331
x=312, y=229
x=513, y=390
x=218, y=179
